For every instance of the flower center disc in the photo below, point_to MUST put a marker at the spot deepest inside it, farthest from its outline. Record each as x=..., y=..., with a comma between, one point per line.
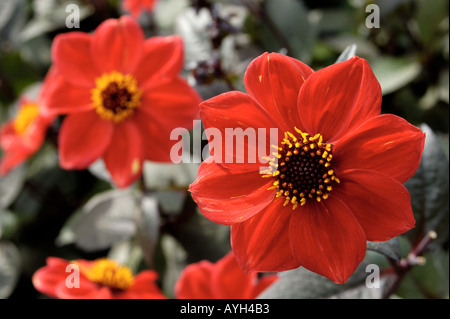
x=27, y=115
x=108, y=273
x=116, y=96
x=302, y=168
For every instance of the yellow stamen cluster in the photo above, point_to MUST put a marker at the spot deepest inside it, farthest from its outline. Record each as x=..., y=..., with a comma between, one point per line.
x=302, y=168
x=26, y=116
x=108, y=273
x=116, y=96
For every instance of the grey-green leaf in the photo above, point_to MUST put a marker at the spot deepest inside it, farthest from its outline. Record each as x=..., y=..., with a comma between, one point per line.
x=10, y=268
x=389, y=248
x=429, y=189
x=107, y=218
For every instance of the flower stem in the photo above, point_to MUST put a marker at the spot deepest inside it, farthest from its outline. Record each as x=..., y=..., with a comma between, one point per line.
x=403, y=266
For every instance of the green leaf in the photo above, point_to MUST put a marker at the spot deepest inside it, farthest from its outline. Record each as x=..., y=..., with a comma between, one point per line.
x=50, y=15
x=430, y=15
x=389, y=248
x=107, y=218
x=148, y=223
x=12, y=18
x=290, y=18
x=165, y=176
x=202, y=238
x=301, y=283
x=10, y=185
x=429, y=189
x=394, y=73
x=430, y=280
x=10, y=268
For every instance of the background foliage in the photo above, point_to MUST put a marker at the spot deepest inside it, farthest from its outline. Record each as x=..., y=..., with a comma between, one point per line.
x=47, y=211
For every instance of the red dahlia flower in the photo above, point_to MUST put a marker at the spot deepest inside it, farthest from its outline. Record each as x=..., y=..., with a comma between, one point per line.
x=123, y=97
x=136, y=7
x=221, y=280
x=332, y=182
x=24, y=135
x=99, y=279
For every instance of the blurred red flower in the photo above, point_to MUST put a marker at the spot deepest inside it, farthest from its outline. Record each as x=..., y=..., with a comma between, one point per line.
x=333, y=180
x=221, y=280
x=99, y=279
x=24, y=135
x=123, y=96
x=136, y=7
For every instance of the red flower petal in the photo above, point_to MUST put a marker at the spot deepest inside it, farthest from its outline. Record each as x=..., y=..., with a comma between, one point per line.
x=117, y=45
x=327, y=239
x=63, y=97
x=86, y=290
x=194, y=281
x=123, y=157
x=162, y=111
x=386, y=143
x=144, y=287
x=162, y=60
x=235, y=113
x=155, y=138
x=83, y=138
x=223, y=197
x=338, y=98
x=46, y=279
x=169, y=109
x=274, y=81
x=71, y=56
x=231, y=282
x=381, y=204
x=261, y=243
x=18, y=148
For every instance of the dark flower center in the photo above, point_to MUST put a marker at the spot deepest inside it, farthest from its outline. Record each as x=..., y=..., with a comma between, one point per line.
x=116, y=96
x=302, y=169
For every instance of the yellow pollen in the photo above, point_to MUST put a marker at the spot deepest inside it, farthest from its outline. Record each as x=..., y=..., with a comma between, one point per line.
x=109, y=273
x=302, y=169
x=116, y=96
x=28, y=113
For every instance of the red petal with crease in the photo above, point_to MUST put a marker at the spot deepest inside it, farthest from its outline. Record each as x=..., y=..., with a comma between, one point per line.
x=223, y=197
x=261, y=243
x=194, y=281
x=381, y=204
x=337, y=99
x=327, y=239
x=169, y=109
x=117, y=45
x=231, y=116
x=163, y=59
x=274, y=81
x=83, y=138
x=46, y=279
x=144, y=287
x=385, y=143
x=71, y=54
x=63, y=97
x=123, y=157
x=155, y=138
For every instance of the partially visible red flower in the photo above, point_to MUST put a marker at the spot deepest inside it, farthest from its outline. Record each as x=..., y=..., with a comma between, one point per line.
x=123, y=96
x=99, y=279
x=136, y=7
x=332, y=180
x=24, y=135
x=221, y=280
